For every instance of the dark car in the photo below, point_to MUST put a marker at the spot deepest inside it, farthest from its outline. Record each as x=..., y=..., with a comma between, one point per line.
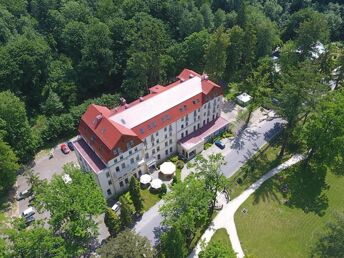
x=64, y=148
x=22, y=195
x=70, y=146
x=220, y=145
x=29, y=220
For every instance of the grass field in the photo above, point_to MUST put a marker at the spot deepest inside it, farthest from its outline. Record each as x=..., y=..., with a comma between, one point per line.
x=288, y=213
x=221, y=235
x=149, y=199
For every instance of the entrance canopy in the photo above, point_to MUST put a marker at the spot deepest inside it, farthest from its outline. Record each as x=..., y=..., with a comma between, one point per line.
x=145, y=179
x=168, y=168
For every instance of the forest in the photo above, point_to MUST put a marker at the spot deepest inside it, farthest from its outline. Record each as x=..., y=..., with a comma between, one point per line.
x=58, y=56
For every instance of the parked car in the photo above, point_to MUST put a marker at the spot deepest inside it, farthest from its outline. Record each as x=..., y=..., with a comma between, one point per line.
x=28, y=212
x=70, y=145
x=29, y=220
x=32, y=198
x=220, y=144
x=64, y=148
x=22, y=195
x=116, y=207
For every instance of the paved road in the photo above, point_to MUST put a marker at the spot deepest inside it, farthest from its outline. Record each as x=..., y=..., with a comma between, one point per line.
x=225, y=218
x=236, y=153
x=45, y=168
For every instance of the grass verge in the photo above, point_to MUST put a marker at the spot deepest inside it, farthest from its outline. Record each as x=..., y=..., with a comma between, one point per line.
x=286, y=216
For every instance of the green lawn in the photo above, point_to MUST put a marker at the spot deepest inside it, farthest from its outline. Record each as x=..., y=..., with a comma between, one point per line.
x=288, y=223
x=221, y=235
x=149, y=199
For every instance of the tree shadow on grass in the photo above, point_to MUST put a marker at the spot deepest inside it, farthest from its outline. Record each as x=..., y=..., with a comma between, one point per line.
x=307, y=188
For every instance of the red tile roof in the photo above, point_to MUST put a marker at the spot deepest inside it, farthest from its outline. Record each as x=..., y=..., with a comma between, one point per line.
x=105, y=135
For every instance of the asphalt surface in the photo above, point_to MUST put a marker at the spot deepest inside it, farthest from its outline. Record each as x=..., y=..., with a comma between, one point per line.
x=236, y=153
x=45, y=168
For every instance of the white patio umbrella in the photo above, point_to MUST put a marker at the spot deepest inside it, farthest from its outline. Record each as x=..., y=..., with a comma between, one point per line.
x=145, y=179
x=167, y=168
x=156, y=183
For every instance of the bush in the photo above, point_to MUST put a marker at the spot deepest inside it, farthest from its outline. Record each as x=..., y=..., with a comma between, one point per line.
x=207, y=145
x=174, y=180
x=180, y=164
x=174, y=158
x=163, y=190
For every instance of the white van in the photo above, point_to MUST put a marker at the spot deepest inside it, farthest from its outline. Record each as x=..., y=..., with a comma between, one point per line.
x=28, y=212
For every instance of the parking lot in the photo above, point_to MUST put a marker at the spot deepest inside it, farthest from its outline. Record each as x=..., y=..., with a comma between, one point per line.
x=45, y=168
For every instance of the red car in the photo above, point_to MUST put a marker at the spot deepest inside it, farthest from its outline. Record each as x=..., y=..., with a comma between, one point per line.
x=65, y=149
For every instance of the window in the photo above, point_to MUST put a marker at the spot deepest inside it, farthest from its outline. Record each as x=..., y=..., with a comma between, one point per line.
x=135, y=149
x=170, y=134
x=186, y=132
x=108, y=191
x=170, y=128
x=154, y=124
x=153, y=151
x=166, y=152
x=182, y=126
x=147, y=155
x=121, y=157
x=117, y=169
x=142, y=131
x=170, y=141
x=157, y=141
x=126, y=181
x=166, y=144
x=165, y=136
x=121, y=184
x=182, y=135
x=171, y=149
x=123, y=165
x=114, y=161
x=110, y=182
x=140, y=172
x=132, y=160
x=107, y=174
x=157, y=134
x=137, y=157
x=158, y=148
x=130, y=152
x=194, y=128
x=165, y=129
x=158, y=156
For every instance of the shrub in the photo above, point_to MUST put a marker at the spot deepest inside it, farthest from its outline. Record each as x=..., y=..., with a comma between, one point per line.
x=174, y=158
x=163, y=190
x=180, y=164
x=174, y=180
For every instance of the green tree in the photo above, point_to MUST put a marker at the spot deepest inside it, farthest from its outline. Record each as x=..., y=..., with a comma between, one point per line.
x=209, y=170
x=127, y=244
x=15, y=123
x=52, y=105
x=23, y=65
x=323, y=134
x=216, y=54
x=331, y=243
x=216, y=249
x=208, y=16
x=173, y=243
x=72, y=206
x=186, y=206
x=112, y=221
x=135, y=194
x=37, y=242
x=259, y=85
x=296, y=94
x=8, y=167
x=126, y=215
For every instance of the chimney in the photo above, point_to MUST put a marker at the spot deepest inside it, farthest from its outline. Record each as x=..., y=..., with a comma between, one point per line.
x=141, y=99
x=98, y=119
x=123, y=101
x=182, y=79
x=191, y=75
x=126, y=106
x=204, y=77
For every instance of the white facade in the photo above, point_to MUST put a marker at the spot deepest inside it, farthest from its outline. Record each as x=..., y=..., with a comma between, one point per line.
x=154, y=149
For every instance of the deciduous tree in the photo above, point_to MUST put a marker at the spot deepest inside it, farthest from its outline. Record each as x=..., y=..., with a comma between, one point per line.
x=8, y=166
x=173, y=243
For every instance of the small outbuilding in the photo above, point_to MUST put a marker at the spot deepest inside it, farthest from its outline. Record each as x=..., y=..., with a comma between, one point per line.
x=243, y=99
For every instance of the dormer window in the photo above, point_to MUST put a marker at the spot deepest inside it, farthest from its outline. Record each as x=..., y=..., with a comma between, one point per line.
x=142, y=130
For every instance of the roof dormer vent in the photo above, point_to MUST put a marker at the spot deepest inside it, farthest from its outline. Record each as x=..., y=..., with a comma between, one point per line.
x=123, y=101
x=191, y=75
x=126, y=106
x=141, y=99
x=204, y=77
x=97, y=119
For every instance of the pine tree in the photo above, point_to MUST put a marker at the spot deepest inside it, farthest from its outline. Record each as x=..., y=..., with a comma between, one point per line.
x=126, y=213
x=134, y=190
x=112, y=221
